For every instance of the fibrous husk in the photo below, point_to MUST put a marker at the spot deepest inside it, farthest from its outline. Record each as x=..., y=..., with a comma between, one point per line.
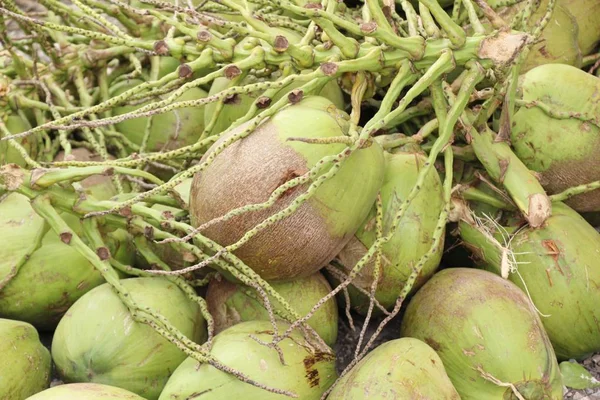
x=488, y=335
x=307, y=373
x=85, y=391
x=565, y=151
x=557, y=265
x=404, y=368
x=250, y=169
x=410, y=241
x=231, y=303
x=99, y=341
x=25, y=365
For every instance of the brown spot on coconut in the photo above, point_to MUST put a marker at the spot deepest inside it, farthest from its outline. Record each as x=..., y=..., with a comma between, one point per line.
x=248, y=171
x=307, y=373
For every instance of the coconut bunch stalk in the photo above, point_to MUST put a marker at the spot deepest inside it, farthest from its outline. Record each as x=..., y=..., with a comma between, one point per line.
x=365, y=53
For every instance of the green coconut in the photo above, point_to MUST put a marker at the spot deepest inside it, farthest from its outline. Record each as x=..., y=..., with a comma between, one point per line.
x=100, y=187
x=557, y=265
x=249, y=170
x=85, y=391
x=231, y=303
x=98, y=341
x=239, y=105
x=20, y=230
x=488, y=335
x=169, y=131
x=565, y=151
x=400, y=254
x=307, y=373
x=401, y=369
x=51, y=276
x=25, y=366
x=8, y=154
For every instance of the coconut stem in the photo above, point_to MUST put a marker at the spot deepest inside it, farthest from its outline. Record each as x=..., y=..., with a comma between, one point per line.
x=376, y=272
x=143, y=247
x=44, y=178
x=474, y=194
x=576, y=190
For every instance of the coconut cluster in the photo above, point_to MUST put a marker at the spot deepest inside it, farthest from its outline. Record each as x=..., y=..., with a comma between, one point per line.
x=240, y=199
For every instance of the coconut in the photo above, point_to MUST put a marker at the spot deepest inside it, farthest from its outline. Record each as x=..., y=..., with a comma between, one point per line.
x=307, y=373
x=566, y=152
x=85, y=391
x=487, y=334
x=25, y=366
x=238, y=106
x=99, y=341
x=557, y=265
x=231, y=303
x=8, y=154
x=100, y=187
x=169, y=131
x=64, y=273
x=250, y=169
x=410, y=241
x=403, y=368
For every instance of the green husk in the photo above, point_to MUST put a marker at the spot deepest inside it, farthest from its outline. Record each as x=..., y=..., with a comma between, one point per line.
x=249, y=170
x=52, y=275
x=231, y=303
x=169, y=131
x=8, y=154
x=85, y=391
x=25, y=366
x=488, y=335
x=399, y=254
x=404, y=368
x=557, y=266
x=98, y=340
x=564, y=148
x=306, y=373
